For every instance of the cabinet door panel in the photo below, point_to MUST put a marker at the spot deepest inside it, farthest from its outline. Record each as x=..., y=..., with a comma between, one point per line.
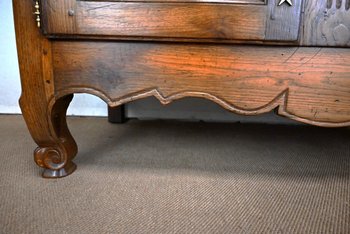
x=327, y=23
x=257, y=2
x=254, y=20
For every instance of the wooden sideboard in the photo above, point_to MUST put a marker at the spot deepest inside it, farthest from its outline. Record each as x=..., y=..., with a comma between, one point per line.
x=249, y=56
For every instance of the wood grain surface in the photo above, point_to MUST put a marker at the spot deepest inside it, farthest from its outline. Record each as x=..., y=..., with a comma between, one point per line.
x=326, y=23
x=180, y=20
x=71, y=54
x=311, y=85
x=283, y=21
x=55, y=16
x=45, y=116
x=255, y=2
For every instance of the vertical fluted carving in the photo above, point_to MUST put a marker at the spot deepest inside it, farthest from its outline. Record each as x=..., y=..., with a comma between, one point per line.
x=327, y=23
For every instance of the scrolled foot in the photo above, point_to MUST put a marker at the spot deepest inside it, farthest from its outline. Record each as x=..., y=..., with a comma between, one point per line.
x=55, y=161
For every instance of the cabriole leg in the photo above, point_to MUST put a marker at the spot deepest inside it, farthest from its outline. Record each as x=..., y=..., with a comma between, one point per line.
x=44, y=113
x=56, y=146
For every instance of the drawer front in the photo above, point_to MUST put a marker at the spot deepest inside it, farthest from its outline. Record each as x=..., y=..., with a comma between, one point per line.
x=255, y=20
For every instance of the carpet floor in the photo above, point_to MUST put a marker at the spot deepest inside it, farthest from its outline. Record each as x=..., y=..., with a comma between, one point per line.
x=180, y=177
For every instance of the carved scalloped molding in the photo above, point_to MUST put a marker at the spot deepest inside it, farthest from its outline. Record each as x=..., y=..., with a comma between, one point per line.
x=280, y=102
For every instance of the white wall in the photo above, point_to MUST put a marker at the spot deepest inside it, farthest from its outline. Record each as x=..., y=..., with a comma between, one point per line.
x=10, y=89
x=9, y=76
x=89, y=105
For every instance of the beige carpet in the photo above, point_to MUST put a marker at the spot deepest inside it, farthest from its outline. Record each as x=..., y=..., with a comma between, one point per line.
x=178, y=177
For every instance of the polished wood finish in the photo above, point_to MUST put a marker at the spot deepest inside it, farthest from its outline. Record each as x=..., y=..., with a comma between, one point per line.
x=243, y=79
x=173, y=20
x=44, y=114
x=256, y=2
x=55, y=16
x=123, y=51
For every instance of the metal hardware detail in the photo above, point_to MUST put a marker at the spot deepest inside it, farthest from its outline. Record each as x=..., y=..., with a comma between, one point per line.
x=37, y=14
x=288, y=1
x=71, y=12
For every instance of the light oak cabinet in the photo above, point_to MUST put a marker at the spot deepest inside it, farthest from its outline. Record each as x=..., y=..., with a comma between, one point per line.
x=249, y=56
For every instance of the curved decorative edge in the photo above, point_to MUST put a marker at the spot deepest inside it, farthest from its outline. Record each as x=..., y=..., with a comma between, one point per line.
x=168, y=99
x=45, y=121
x=56, y=153
x=279, y=102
